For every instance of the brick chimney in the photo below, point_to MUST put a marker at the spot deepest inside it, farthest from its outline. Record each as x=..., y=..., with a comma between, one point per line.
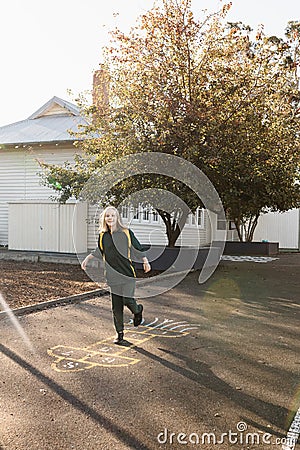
x=101, y=89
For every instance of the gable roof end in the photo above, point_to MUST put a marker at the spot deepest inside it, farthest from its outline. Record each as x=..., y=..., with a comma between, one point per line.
x=67, y=108
x=50, y=123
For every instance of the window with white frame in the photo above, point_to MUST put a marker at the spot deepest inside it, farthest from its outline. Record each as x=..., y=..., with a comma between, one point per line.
x=191, y=220
x=200, y=217
x=145, y=214
x=125, y=212
x=136, y=214
x=155, y=216
x=196, y=219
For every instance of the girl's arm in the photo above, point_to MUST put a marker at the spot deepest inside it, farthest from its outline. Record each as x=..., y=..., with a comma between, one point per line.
x=86, y=260
x=95, y=254
x=137, y=245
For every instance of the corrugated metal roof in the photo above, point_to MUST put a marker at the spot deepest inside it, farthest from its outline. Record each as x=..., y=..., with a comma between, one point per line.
x=42, y=126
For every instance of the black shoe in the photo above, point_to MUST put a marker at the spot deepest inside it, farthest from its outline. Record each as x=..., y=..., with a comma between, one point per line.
x=120, y=338
x=137, y=320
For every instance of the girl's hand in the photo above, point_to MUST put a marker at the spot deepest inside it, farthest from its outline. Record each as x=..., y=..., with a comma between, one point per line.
x=85, y=261
x=146, y=266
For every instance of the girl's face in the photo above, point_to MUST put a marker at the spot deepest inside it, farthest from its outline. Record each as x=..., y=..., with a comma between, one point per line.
x=111, y=218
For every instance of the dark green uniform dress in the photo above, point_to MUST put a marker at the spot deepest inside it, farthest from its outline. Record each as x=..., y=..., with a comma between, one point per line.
x=117, y=250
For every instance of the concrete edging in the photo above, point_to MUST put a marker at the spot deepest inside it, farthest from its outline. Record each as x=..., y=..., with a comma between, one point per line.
x=57, y=302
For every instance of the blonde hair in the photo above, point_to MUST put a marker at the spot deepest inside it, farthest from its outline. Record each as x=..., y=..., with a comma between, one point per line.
x=103, y=225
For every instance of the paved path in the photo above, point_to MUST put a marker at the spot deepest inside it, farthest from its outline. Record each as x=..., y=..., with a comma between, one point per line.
x=222, y=357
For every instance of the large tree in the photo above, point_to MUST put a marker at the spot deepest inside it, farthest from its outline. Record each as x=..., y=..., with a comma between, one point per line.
x=203, y=90
x=252, y=142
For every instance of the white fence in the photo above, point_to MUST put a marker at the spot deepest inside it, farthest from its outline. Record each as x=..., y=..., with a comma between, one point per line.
x=280, y=227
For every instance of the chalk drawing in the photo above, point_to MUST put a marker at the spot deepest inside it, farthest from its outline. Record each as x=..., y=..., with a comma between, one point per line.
x=105, y=354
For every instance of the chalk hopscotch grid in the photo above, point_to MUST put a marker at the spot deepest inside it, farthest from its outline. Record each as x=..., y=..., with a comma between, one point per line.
x=104, y=354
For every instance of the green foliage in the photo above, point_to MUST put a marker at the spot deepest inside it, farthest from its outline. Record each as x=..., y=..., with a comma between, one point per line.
x=206, y=91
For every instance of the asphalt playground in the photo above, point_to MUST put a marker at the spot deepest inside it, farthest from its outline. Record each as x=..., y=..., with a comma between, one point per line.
x=213, y=366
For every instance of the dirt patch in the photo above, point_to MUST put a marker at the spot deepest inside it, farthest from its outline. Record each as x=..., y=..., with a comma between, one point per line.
x=28, y=283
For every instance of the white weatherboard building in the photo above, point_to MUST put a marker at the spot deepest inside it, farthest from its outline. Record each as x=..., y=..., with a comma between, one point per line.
x=30, y=220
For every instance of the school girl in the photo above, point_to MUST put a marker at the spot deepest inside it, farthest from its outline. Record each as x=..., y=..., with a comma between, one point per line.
x=116, y=245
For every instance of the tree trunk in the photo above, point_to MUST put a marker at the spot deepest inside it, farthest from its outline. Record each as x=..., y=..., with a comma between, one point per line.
x=252, y=226
x=174, y=224
x=245, y=228
x=238, y=226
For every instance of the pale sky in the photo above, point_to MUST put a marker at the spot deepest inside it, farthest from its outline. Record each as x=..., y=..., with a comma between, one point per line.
x=49, y=47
